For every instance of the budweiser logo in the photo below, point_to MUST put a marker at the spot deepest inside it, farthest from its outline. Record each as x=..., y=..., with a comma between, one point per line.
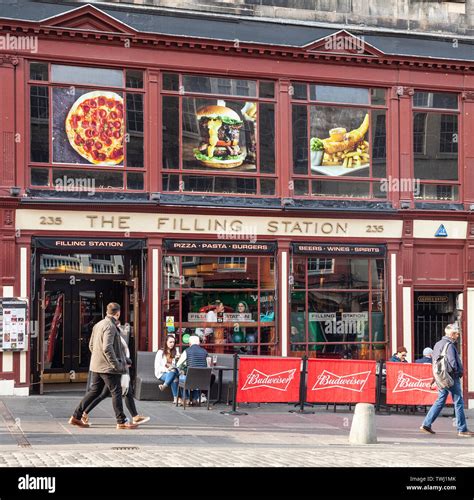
x=278, y=381
x=407, y=383
x=353, y=382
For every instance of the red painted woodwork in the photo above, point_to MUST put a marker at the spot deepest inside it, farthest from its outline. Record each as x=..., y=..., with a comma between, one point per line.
x=438, y=266
x=7, y=123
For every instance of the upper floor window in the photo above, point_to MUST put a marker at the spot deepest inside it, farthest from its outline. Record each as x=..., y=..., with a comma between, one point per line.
x=218, y=135
x=86, y=128
x=435, y=145
x=339, y=141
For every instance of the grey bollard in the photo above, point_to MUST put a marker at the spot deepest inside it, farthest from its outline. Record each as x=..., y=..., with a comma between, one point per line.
x=363, y=425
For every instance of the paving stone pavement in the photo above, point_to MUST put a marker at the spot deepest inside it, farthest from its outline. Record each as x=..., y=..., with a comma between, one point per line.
x=34, y=433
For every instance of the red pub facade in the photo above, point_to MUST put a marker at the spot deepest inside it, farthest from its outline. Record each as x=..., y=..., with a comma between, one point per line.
x=317, y=182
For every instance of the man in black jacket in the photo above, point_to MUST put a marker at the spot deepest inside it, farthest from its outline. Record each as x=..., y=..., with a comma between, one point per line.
x=108, y=364
x=456, y=371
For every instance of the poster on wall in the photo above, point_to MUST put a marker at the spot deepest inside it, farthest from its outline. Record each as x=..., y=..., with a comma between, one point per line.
x=13, y=318
x=88, y=127
x=339, y=143
x=219, y=135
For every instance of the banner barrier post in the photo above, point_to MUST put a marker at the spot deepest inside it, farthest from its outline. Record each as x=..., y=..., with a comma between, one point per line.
x=379, y=386
x=234, y=391
x=303, y=390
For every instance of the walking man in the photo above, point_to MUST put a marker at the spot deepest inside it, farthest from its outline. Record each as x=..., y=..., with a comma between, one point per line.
x=108, y=363
x=455, y=369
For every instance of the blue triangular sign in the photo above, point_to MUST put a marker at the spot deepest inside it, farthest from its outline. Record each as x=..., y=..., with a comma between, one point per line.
x=441, y=232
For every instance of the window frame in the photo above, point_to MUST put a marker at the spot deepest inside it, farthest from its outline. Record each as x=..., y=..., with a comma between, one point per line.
x=181, y=172
x=309, y=177
x=453, y=185
x=371, y=292
x=50, y=165
x=273, y=347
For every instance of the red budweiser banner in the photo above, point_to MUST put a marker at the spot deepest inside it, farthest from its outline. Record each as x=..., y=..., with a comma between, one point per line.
x=269, y=380
x=340, y=381
x=410, y=384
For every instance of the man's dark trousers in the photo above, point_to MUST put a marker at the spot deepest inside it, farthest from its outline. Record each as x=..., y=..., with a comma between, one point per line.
x=98, y=381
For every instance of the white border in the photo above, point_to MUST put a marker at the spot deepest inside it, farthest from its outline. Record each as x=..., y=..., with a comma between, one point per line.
x=284, y=303
x=407, y=321
x=393, y=302
x=23, y=271
x=155, y=269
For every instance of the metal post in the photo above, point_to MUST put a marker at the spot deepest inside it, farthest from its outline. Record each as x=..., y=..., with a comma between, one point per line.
x=234, y=390
x=303, y=390
x=378, y=392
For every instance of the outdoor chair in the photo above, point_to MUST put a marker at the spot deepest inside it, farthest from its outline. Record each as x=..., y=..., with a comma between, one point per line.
x=146, y=384
x=196, y=378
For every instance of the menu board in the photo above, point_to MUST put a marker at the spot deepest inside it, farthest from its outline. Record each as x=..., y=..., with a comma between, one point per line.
x=13, y=319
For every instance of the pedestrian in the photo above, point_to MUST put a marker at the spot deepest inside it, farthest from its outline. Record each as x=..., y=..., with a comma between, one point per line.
x=127, y=391
x=108, y=364
x=427, y=356
x=455, y=369
x=400, y=356
x=195, y=357
x=165, y=366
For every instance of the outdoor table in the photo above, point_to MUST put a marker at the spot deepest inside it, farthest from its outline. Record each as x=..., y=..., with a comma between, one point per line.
x=221, y=370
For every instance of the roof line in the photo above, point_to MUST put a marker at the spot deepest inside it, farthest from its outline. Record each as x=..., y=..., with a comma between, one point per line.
x=83, y=7
x=292, y=22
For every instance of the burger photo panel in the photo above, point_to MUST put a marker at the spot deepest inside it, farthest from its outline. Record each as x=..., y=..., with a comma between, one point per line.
x=88, y=127
x=219, y=135
x=339, y=144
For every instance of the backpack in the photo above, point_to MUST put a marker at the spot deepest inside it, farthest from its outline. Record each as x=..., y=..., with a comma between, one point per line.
x=441, y=374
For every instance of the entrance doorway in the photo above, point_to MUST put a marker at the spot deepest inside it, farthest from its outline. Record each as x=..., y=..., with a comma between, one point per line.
x=69, y=314
x=433, y=311
x=73, y=293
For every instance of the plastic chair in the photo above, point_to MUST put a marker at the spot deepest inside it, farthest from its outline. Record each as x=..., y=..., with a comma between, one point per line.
x=196, y=378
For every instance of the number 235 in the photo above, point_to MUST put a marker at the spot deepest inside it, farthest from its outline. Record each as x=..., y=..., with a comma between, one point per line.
x=51, y=221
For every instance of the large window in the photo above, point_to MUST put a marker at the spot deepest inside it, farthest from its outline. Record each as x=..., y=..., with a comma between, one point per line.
x=218, y=135
x=86, y=128
x=435, y=145
x=339, y=141
x=245, y=286
x=338, y=307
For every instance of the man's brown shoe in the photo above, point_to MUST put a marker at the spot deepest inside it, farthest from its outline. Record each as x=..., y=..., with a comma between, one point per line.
x=79, y=423
x=127, y=425
x=466, y=434
x=429, y=430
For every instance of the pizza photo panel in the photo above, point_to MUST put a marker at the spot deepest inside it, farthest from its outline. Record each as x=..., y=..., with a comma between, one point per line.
x=88, y=126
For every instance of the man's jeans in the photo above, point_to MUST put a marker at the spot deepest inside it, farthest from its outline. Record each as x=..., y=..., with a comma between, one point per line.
x=98, y=382
x=171, y=379
x=456, y=393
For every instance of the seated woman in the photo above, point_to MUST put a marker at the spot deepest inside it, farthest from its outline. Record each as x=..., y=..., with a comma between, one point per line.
x=165, y=366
